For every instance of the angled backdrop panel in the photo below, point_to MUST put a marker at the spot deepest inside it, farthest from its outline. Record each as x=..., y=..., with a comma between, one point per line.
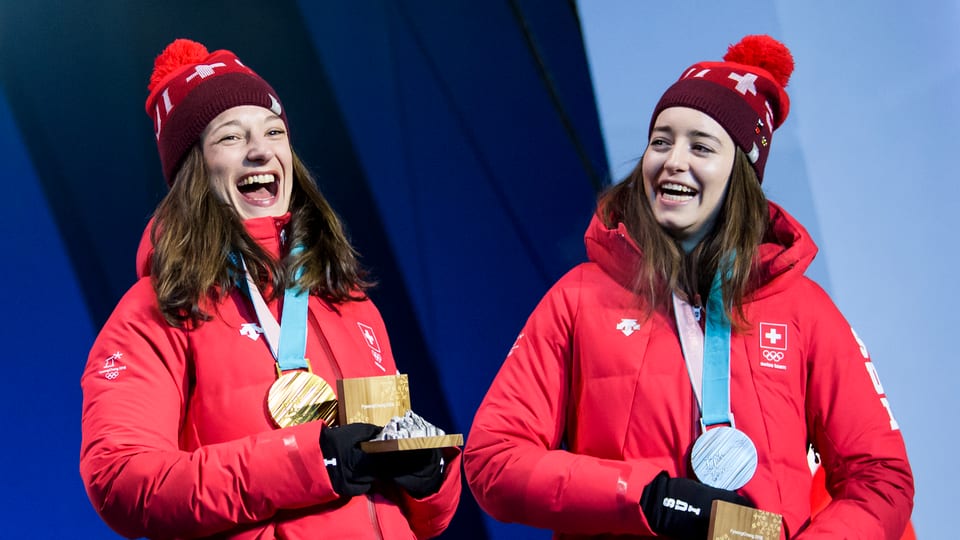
x=459, y=141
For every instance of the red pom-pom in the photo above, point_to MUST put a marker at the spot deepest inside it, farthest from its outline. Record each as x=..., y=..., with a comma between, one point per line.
x=181, y=52
x=764, y=52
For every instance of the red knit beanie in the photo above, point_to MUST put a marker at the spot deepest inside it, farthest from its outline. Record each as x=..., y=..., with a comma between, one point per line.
x=190, y=87
x=744, y=93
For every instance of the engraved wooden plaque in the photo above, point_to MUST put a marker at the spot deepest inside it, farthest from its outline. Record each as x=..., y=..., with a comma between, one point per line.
x=375, y=400
x=730, y=521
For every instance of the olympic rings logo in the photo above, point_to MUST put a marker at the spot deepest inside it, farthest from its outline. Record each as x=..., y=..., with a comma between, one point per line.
x=112, y=373
x=773, y=356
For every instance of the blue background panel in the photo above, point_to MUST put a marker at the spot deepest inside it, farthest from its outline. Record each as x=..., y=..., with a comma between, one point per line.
x=464, y=143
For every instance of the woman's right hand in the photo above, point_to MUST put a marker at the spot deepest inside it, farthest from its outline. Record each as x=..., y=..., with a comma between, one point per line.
x=351, y=469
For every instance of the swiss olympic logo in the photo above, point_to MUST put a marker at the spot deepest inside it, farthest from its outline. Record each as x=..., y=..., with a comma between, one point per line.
x=773, y=356
x=773, y=345
x=773, y=336
x=371, y=340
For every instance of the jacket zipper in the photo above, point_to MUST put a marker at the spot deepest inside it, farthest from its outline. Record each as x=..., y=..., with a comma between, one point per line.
x=374, y=520
x=338, y=373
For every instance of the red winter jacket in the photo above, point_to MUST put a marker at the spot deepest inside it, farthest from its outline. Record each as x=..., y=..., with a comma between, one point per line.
x=177, y=442
x=593, y=401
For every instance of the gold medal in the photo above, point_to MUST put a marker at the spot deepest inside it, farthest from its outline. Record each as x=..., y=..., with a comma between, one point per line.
x=297, y=397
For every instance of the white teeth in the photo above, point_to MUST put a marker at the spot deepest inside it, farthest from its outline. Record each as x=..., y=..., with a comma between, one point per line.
x=677, y=187
x=256, y=179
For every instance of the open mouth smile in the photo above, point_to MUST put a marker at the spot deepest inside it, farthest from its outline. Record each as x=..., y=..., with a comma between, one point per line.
x=674, y=192
x=259, y=189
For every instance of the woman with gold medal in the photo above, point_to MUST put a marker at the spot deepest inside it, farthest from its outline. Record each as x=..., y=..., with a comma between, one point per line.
x=208, y=409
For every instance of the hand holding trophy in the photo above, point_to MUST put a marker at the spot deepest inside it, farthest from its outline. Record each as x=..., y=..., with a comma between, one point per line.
x=405, y=448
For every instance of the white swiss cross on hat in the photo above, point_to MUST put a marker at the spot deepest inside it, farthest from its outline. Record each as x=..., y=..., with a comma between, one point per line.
x=745, y=83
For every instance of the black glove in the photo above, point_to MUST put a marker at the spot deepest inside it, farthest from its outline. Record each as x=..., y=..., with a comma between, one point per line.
x=350, y=468
x=420, y=472
x=680, y=507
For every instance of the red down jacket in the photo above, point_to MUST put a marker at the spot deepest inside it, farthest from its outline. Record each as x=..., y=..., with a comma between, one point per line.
x=593, y=401
x=176, y=441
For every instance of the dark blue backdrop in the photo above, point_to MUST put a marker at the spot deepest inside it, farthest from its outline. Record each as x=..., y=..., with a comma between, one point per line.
x=458, y=140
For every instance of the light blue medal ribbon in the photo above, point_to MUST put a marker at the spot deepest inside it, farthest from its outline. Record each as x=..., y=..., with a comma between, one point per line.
x=296, y=396
x=292, y=350
x=716, y=360
x=723, y=456
x=287, y=340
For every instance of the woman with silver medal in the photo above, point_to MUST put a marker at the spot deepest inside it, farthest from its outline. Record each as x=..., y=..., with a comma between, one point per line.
x=690, y=360
x=220, y=419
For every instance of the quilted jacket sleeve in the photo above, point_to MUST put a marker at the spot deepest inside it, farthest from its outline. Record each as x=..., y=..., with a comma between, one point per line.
x=513, y=460
x=854, y=430
x=139, y=481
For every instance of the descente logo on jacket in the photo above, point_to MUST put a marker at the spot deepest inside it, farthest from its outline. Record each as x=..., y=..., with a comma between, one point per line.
x=628, y=326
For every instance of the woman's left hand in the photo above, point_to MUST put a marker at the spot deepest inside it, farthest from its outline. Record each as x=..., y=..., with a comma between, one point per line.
x=419, y=472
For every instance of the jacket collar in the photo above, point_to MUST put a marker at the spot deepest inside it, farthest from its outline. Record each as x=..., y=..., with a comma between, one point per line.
x=786, y=252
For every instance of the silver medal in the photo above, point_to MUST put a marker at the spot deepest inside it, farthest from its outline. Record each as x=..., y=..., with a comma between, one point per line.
x=724, y=457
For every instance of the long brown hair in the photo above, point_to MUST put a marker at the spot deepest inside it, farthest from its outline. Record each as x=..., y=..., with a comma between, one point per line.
x=666, y=268
x=195, y=235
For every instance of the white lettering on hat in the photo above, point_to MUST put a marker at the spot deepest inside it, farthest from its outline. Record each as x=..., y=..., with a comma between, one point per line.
x=205, y=70
x=745, y=83
x=275, y=105
x=167, y=106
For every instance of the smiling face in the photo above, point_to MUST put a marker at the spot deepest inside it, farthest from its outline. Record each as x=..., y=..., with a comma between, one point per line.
x=686, y=169
x=248, y=158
